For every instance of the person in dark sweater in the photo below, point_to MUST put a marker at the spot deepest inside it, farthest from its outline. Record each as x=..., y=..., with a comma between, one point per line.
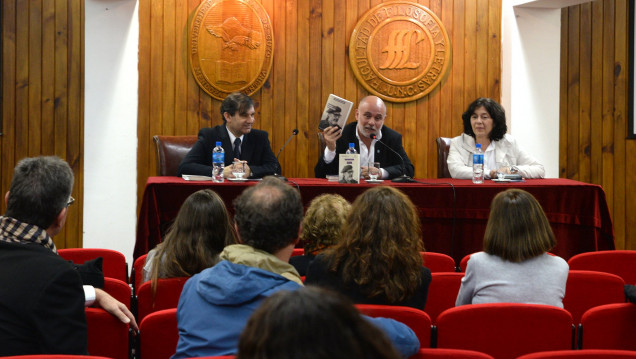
x=321, y=228
x=377, y=260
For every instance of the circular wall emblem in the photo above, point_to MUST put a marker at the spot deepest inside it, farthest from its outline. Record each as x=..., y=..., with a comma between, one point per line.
x=231, y=46
x=399, y=51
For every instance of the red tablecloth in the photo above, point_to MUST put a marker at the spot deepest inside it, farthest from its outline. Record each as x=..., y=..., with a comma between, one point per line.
x=577, y=211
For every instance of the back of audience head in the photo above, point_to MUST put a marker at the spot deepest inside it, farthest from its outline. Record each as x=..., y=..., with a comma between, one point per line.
x=496, y=112
x=268, y=215
x=287, y=321
x=323, y=221
x=40, y=189
x=380, y=246
x=517, y=227
x=199, y=233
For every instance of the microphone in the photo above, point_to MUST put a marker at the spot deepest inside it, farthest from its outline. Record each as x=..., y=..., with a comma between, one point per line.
x=277, y=175
x=403, y=178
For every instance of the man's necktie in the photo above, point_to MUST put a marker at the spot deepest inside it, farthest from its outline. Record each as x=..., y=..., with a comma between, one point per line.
x=237, y=148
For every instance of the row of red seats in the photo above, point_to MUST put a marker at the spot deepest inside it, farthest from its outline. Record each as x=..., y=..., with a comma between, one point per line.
x=619, y=262
x=502, y=330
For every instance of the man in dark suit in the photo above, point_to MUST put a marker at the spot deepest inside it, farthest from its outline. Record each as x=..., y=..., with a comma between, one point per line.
x=42, y=298
x=370, y=116
x=239, y=140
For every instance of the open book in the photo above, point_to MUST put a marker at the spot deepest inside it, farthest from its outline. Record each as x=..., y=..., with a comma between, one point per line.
x=336, y=112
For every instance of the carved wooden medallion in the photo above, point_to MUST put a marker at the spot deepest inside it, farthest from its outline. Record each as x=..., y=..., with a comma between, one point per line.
x=231, y=46
x=399, y=51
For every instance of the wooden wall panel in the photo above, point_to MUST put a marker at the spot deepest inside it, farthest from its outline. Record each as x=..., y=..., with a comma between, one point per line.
x=43, y=93
x=594, y=107
x=310, y=62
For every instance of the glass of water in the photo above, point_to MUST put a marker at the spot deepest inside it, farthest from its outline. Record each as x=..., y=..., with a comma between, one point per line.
x=503, y=168
x=238, y=169
x=374, y=171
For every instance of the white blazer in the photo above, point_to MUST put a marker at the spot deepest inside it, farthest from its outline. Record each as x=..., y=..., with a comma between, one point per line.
x=462, y=148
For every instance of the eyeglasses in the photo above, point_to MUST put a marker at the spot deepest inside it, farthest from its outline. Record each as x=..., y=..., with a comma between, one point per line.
x=71, y=200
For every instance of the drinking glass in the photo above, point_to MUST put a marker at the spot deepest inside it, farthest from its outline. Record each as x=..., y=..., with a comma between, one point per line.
x=238, y=169
x=374, y=171
x=503, y=168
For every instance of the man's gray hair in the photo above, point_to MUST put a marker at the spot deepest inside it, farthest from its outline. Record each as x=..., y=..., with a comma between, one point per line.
x=40, y=189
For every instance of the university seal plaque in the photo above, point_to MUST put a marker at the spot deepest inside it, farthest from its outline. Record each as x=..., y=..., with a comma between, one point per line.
x=231, y=45
x=399, y=51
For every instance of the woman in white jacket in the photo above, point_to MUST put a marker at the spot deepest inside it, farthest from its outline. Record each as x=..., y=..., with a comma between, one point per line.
x=485, y=123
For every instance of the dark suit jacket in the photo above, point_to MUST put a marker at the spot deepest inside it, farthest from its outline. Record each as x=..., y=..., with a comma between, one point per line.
x=255, y=149
x=388, y=160
x=41, y=303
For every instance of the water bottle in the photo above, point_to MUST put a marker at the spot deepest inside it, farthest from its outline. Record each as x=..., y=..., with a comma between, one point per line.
x=218, y=162
x=352, y=149
x=478, y=165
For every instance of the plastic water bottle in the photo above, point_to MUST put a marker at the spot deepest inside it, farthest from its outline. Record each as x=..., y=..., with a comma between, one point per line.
x=352, y=149
x=218, y=162
x=478, y=165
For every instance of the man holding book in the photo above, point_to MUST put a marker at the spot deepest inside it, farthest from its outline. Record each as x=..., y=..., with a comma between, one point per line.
x=385, y=148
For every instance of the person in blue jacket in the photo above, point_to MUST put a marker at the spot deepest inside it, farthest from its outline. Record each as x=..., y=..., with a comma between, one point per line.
x=215, y=304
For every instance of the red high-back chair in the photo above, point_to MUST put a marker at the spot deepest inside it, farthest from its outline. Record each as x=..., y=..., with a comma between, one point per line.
x=107, y=335
x=587, y=289
x=442, y=293
x=609, y=326
x=619, y=262
x=445, y=353
x=438, y=262
x=137, y=275
x=505, y=330
x=114, y=264
x=118, y=290
x=415, y=319
x=158, y=335
x=166, y=297
x=582, y=354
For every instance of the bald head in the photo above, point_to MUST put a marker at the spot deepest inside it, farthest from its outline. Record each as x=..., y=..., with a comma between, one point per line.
x=370, y=115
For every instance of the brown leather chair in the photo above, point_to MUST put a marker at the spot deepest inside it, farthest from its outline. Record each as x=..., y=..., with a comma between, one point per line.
x=170, y=152
x=443, y=146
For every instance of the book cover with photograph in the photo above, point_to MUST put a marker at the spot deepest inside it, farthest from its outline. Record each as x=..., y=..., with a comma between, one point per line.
x=336, y=112
x=349, y=168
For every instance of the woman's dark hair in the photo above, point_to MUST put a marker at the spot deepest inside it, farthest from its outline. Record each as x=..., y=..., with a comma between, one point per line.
x=380, y=247
x=198, y=235
x=311, y=323
x=496, y=112
x=517, y=227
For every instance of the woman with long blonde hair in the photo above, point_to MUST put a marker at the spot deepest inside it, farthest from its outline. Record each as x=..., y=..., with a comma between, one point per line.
x=377, y=260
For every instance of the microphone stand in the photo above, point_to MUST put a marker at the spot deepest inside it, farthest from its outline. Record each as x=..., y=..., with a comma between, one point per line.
x=403, y=178
x=277, y=175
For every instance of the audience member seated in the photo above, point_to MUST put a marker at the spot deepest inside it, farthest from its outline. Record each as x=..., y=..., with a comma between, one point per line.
x=321, y=228
x=239, y=140
x=283, y=325
x=515, y=266
x=377, y=260
x=485, y=123
x=215, y=304
x=42, y=298
x=199, y=233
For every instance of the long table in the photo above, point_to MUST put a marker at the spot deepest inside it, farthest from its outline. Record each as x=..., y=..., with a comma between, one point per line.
x=453, y=212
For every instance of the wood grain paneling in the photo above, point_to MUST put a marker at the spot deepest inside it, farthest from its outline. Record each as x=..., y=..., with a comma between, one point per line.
x=43, y=93
x=594, y=100
x=310, y=62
